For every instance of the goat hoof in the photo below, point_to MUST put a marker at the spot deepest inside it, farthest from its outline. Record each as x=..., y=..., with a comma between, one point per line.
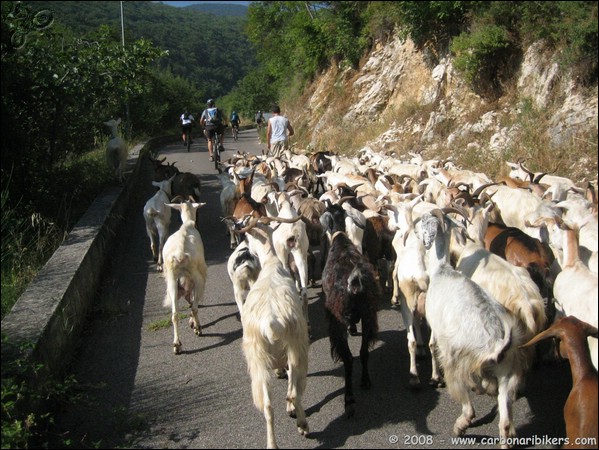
x=459, y=430
x=415, y=383
x=281, y=374
x=350, y=410
x=353, y=330
x=303, y=429
x=437, y=383
x=177, y=348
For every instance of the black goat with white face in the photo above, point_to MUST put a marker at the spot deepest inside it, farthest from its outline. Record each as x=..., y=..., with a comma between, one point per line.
x=352, y=294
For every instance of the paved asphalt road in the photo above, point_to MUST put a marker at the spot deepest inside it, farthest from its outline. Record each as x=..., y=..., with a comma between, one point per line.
x=135, y=393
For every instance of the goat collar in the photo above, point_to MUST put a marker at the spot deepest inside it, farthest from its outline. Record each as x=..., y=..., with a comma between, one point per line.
x=337, y=233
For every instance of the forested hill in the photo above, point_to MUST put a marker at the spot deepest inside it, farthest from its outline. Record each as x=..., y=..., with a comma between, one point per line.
x=220, y=9
x=209, y=50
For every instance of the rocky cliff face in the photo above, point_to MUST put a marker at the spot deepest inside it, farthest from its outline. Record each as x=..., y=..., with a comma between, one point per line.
x=429, y=109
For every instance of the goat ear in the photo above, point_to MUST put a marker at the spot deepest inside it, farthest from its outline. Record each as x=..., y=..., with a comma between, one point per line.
x=548, y=333
x=326, y=220
x=176, y=206
x=590, y=330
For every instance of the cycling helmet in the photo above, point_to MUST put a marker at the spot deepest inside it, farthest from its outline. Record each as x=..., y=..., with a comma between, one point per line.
x=210, y=102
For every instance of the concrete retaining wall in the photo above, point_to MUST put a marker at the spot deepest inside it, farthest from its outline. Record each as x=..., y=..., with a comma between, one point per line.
x=44, y=324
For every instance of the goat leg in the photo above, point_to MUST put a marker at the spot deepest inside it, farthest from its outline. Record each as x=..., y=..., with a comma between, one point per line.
x=366, y=383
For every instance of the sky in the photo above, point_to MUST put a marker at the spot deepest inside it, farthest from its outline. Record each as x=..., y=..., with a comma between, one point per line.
x=181, y=4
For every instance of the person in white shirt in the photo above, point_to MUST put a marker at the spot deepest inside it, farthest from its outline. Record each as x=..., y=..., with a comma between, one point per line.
x=278, y=131
x=186, y=124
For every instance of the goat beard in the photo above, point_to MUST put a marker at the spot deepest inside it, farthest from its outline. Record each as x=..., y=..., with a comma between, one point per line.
x=354, y=283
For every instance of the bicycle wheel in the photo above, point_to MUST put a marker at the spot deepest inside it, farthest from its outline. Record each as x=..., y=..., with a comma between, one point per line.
x=188, y=142
x=216, y=151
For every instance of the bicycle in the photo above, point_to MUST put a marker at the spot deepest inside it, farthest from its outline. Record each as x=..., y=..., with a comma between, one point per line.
x=216, y=147
x=235, y=131
x=188, y=140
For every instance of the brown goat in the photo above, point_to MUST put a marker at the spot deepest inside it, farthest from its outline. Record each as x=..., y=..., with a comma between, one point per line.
x=246, y=205
x=185, y=184
x=522, y=250
x=580, y=409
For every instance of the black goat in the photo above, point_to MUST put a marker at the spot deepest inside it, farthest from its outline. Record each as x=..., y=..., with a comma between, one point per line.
x=352, y=293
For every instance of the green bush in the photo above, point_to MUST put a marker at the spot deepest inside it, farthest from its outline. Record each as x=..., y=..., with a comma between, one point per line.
x=480, y=54
x=28, y=387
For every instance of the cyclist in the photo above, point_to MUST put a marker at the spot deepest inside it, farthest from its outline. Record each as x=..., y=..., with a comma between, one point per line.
x=234, y=119
x=186, y=124
x=213, y=123
x=259, y=119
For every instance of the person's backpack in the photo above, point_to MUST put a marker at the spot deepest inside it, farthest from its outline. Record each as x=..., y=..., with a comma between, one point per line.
x=185, y=116
x=214, y=116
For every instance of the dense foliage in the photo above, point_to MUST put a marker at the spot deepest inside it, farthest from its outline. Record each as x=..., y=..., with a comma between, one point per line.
x=211, y=51
x=297, y=39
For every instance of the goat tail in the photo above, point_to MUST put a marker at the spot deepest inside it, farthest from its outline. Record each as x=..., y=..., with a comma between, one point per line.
x=273, y=329
x=170, y=299
x=259, y=367
x=150, y=213
x=505, y=344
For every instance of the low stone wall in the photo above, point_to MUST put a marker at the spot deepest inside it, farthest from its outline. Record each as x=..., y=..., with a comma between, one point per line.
x=45, y=323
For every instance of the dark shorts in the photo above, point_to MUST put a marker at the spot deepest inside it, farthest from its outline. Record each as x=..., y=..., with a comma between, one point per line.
x=186, y=128
x=211, y=130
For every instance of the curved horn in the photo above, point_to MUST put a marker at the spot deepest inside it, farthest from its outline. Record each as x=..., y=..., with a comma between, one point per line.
x=345, y=199
x=484, y=198
x=267, y=220
x=251, y=224
x=342, y=185
x=481, y=188
x=453, y=209
x=530, y=174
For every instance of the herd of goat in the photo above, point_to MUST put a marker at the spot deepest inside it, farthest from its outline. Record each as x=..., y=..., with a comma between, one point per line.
x=514, y=258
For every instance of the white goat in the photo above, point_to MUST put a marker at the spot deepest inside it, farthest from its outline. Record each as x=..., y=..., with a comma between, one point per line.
x=158, y=218
x=185, y=268
x=410, y=279
x=482, y=356
x=510, y=285
x=275, y=332
x=243, y=268
x=116, y=150
x=291, y=241
x=575, y=288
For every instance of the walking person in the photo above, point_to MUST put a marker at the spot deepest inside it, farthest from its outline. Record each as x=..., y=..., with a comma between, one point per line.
x=278, y=132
